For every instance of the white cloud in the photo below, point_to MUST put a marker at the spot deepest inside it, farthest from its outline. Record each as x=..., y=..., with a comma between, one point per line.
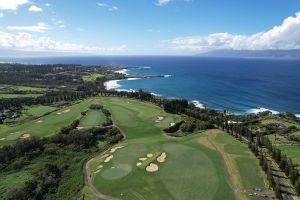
x=284, y=36
x=107, y=6
x=48, y=4
x=34, y=8
x=60, y=24
x=28, y=42
x=11, y=4
x=40, y=27
x=1, y=15
x=162, y=2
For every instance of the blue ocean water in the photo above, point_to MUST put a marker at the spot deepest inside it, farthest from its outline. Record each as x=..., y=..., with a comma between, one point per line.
x=238, y=85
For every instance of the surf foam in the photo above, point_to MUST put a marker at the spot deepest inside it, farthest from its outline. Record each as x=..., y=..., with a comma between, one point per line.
x=198, y=104
x=259, y=110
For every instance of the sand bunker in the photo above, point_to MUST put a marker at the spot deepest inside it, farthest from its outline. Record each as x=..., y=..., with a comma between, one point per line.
x=26, y=135
x=149, y=155
x=39, y=121
x=172, y=124
x=162, y=157
x=143, y=159
x=2, y=139
x=108, y=158
x=152, y=167
x=138, y=164
x=65, y=111
x=99, y=168
x=159, y=119
x=115, y=148
x=59, y=113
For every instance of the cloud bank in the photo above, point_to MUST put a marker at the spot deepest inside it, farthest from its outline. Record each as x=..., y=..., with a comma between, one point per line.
x=34, y=8
x=40, y=27
x=11, y=4
x=28, y=42
x=284, y=36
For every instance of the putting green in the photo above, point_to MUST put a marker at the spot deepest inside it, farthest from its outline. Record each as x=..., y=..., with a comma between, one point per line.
x=93, y=118
x=191, y=170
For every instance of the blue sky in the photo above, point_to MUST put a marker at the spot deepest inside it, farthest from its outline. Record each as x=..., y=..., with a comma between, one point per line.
x=148, y=26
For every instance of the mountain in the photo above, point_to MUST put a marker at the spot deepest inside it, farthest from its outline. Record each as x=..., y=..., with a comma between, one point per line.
x=279, y=54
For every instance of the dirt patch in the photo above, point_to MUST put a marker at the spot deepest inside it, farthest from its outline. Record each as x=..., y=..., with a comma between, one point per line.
x=162, y=157
x=143, y=159
x=152, y=167
x=205, y=142
x=2, y=139
x=108, y=158
x=40, y=121
x=26, y=135
x=149, y=155
x=115, y=149
x=138, y=164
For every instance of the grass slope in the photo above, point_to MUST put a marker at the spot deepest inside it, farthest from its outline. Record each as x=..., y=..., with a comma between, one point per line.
x=92, y=118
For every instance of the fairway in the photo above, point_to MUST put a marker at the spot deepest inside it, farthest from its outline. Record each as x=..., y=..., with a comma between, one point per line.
x=191, y=169
x=46, y=125
x=93, y=118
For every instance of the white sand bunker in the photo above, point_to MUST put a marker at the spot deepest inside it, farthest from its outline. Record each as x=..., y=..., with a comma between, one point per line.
x=159, y=119
x=138, y=164
x=65, y=111
x=162, y=157
x=172, y=124
x=40, y=121
x=108, y=158
x=2, y=139
x=149, y=155
x=152, y=167
x=59, y=113
x=115, y=149
x=26, y=135
x=79, y=128
x=99, y=168
x=143, y=159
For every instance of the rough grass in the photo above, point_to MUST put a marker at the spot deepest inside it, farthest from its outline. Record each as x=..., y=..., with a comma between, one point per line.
x=292, y=152
x=11, y=96
x=38, y=110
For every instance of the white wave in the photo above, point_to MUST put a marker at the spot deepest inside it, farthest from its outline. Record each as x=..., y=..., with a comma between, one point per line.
x=132, y=79
x=124, y=90
x=113, y=84
x=198, y=104
x=146, y=67
x=123, y=71
x=154, y=94
x=259, y=110
x=166, y=76
x=297, y=115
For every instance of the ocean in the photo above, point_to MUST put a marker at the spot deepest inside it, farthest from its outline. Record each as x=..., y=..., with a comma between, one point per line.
x=237, y=85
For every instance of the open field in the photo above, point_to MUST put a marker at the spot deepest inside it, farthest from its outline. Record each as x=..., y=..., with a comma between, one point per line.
x=206, y=165
x=92, y=77
x=46, y=125
x=11, y=96
x=22, y=88
x=93, y=118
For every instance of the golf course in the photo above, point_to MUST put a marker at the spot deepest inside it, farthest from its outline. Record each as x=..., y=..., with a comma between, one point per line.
x=148, y=164
x=49, y=124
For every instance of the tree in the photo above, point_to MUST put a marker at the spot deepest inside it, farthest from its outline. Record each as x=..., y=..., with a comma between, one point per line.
x=297, y=187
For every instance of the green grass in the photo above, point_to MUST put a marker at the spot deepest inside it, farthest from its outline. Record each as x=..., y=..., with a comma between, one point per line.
x=46, y=125
x=38, y=110
x=92, y=77
x=23, y=88
x=12, y=181
x=191, y=170
x=11, y=96
x=92, y=118
x=292, y=152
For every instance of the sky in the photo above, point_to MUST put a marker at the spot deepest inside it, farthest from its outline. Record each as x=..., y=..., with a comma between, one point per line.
x=147, y=27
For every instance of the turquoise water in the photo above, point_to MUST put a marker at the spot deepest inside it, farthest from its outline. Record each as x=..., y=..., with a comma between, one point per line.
x=239, y=85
